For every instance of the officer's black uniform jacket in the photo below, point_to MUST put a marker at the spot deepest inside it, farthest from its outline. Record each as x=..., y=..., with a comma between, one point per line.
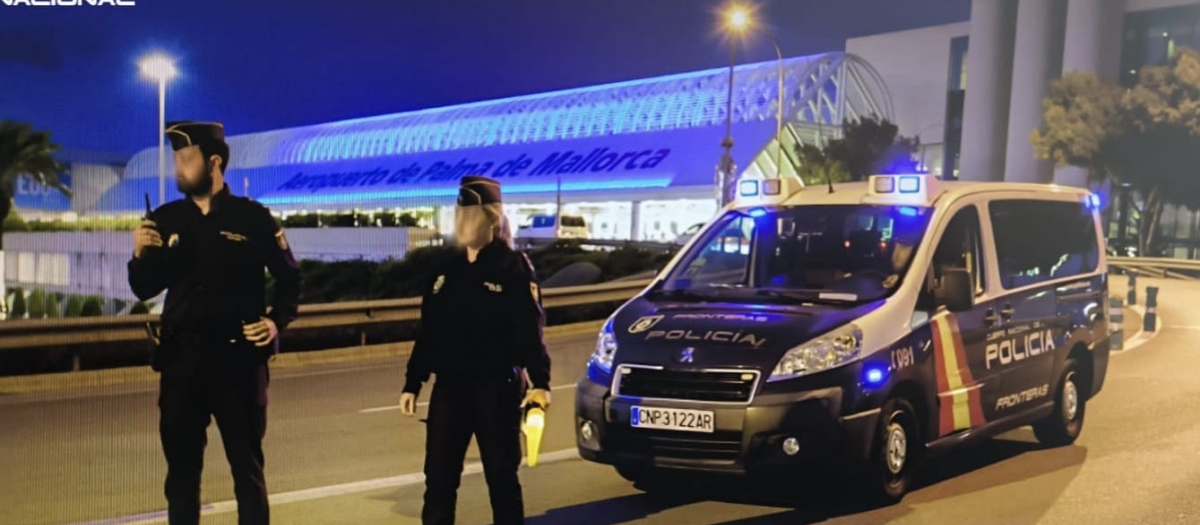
x=212, y=267
x=480, y=321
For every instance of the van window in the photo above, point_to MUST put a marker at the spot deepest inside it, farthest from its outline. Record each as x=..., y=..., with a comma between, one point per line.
x=960, y=248
x=543, y=221
x=573, y=222
x=845, y=253
x=1038, y=241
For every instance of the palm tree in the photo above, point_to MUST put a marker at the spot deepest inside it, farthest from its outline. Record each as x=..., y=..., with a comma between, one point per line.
x=29, y=153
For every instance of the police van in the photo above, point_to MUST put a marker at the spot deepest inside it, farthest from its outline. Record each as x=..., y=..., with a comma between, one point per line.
x=875, y=323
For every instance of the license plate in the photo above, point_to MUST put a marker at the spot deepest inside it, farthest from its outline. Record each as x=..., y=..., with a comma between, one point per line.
x=672, y=419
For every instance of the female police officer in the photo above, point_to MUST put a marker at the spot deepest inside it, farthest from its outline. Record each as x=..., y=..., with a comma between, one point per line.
x=481, y=324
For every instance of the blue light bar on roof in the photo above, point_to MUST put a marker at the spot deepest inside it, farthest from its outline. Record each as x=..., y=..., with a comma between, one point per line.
x=885, y=184
x=748, y=188
x=910, y=184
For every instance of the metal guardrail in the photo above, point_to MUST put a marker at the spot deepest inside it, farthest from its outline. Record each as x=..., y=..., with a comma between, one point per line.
x=1158, y=266
x=26, y=334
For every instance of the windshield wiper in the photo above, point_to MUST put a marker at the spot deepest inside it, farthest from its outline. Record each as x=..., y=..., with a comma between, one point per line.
x=803, y=297
x=681, y=294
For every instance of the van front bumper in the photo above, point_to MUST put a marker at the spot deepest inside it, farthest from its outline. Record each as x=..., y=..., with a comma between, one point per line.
x=747, y=438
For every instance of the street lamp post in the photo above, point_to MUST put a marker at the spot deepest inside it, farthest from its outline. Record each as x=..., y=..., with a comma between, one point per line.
x=737, y=19
x=160, y=69
x=778, y=106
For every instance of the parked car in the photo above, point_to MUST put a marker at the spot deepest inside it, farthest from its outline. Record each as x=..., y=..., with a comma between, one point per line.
x=687, y=234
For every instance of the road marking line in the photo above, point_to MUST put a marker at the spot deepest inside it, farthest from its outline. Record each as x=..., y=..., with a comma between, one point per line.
x=426, y=403
x=327, y=491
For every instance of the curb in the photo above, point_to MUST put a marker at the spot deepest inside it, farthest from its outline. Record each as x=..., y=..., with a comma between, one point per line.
x=1142, y=337
x=290, y=360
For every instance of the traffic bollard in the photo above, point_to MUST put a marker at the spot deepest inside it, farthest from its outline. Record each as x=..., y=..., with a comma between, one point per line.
x=1151, y=305
x=1132, y=299
x=1116, y=324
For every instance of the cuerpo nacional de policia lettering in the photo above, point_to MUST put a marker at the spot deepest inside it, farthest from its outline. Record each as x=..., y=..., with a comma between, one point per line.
x=636, y=159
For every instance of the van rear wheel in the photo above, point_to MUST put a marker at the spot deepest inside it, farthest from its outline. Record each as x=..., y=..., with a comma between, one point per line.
x=1062, y=427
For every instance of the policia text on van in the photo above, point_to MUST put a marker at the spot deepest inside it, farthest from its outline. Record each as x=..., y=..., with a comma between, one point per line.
x=880, y=323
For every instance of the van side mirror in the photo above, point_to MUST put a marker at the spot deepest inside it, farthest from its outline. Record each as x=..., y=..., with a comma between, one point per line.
x=955, y=290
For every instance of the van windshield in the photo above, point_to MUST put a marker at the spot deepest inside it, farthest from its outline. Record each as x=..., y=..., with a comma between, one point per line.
x=813, y=254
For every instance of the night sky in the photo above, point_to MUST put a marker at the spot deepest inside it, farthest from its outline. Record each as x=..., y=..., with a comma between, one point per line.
x=267, y=64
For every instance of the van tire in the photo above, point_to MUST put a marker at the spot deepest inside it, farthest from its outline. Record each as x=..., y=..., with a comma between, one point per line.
x=895, y=453
x=1063, y=426
x=647, y=479
x=636, y=474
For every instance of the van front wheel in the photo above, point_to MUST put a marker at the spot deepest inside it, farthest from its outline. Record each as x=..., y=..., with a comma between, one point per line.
x=1063, y=426
x=896, y=450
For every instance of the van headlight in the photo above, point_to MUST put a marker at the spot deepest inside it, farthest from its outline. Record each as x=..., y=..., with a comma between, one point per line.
x=831, y=350
x=606, y=348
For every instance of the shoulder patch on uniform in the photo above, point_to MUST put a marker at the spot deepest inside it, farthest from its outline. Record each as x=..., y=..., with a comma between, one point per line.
x=281, y=239
x=437, y=285
x=527, y=264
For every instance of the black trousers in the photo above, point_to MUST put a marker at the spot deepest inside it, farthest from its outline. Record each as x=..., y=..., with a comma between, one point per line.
x=200, y=382
x=490, y=411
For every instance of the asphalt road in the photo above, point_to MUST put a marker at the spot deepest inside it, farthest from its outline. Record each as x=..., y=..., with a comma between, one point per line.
x=337, y=453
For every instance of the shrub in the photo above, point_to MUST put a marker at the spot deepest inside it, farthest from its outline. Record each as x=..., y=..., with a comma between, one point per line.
x=92, y=307
x=17, y=309
x=54, y=305
x=74, y=306
x=37, y=304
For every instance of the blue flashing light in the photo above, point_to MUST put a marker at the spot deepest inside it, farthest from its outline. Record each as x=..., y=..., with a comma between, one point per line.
x=748, y=188
x=875, y=375
x=1093, y=202
x=908, y=211
x=757, y=212
x=910, y=184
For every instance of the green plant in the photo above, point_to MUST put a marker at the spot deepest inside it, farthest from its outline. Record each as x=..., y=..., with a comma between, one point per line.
x=74, y=306
x=1147, y=136
x=37, y=304
x=14, y=223
x=141, y=307
x=92, y=307
x=54, y=305
x=18, y=309
x=25, y=153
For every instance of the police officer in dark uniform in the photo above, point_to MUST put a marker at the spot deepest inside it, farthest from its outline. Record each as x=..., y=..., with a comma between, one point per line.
x=208, y=251
x=481, y=325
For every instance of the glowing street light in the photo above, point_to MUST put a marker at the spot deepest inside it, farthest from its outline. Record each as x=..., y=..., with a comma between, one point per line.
x=160, y=68
x=738, y=18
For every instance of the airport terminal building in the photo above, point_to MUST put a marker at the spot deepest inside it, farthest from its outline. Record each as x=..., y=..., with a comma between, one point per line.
x=637, y=159
x=972, y=91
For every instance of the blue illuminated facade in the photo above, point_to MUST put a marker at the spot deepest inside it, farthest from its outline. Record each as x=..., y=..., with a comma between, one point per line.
x=649, y=138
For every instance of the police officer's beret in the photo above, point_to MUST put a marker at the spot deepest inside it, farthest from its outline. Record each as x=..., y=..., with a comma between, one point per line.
x=187, y=133
x=474, y=191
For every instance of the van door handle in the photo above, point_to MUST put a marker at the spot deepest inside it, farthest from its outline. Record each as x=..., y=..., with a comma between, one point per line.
x=1007, y=312
x=990, y=317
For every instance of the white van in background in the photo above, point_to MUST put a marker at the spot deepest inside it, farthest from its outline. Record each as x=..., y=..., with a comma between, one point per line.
x=543, y=227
